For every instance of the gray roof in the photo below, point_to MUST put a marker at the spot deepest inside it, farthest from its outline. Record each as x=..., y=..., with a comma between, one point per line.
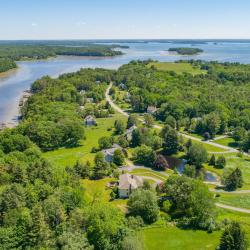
x=127, y=181
x=110, y=151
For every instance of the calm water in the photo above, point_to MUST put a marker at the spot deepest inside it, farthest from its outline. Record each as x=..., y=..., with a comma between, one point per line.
x=13, y=85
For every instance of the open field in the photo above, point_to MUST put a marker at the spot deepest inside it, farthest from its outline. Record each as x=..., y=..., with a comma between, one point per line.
x=178, y=68
x=172, y=238
x=68, y=156
x=233, y=161
x=242, y=218
x=236, y=200
x=228, y=141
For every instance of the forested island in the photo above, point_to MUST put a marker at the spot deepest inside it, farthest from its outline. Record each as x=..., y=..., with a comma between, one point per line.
x=186, y=51
x=62, y=165
x=7, y=64
x=42, y=51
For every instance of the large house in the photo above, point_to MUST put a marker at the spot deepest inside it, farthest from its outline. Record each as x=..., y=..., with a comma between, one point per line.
x=109, y=153
x=128, y=183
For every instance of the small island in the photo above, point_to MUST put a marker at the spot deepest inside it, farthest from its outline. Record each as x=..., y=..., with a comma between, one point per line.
x=186, y=51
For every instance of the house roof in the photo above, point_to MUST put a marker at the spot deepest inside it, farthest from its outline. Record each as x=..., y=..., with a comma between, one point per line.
x=110, y=151
x=131, y=129
x=89, y=118
x=127, y=181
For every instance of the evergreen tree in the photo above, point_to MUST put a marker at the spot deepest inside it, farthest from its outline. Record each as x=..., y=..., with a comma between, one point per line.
x=233, y=238
x=212, y=160
x=220, y=162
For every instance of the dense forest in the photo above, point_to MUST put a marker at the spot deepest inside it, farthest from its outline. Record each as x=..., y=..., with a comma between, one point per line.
x=6, y=64
x=40, y=206
x=186, y=51
x=216, y=102
x=37, y=51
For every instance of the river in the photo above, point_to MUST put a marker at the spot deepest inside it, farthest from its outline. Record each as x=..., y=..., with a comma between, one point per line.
x=13, y=84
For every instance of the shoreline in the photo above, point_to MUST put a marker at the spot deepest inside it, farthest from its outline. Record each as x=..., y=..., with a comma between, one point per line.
x=8, y=72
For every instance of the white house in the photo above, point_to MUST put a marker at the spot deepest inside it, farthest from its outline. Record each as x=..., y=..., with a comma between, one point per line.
x=109, y=153
x=90, y=120
x=128, y=183
x=151, y=109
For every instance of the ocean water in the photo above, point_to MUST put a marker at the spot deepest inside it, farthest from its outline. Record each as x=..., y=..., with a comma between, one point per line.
x=12, y=85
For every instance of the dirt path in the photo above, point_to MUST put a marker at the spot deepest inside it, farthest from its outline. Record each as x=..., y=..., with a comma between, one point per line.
x=237, y=209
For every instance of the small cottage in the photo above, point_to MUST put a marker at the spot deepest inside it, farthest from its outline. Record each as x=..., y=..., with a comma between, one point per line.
x=89, y=121
x=128, y=183
x=109, y=153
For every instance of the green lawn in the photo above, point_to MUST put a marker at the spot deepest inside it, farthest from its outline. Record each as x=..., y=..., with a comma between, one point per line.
x=208, y=147
x=172, y=238
x=228, y=141
x=233, y=161
x=178, y=68
x=149, y=173
x=67, y=156
x=237, y=200
x=242, y=218
x=97, y=189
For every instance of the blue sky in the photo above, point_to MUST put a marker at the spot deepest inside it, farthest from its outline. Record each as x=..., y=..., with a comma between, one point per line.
x=100, y=19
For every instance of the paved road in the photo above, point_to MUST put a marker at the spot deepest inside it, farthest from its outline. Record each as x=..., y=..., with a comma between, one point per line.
x=232, y=192
x=228, y=150
x=118, y=109
x=237, y=209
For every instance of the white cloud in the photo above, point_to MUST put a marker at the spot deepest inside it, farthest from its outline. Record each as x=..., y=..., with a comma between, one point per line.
x=34, y=24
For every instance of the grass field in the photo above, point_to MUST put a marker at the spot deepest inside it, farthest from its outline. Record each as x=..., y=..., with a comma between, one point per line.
x=242, y=218
x=68, y=156
x=233, y=161
x=178, y=68
x=236, y=200
x=172, y=238
x=149, y=173
x=228, y=141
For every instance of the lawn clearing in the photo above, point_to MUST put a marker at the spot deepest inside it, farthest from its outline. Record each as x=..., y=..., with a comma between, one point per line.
x=68, y=156
x=178, y=68
x=236, y=200
x=97, y=189
x=242, y=218
x=173, y=238
x=228, y=141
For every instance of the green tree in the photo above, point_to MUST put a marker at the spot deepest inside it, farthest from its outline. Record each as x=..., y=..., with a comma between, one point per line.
x=170, y=120
x=118, y=157
x=161, y=163
x=105, y=227
x=132, y=120
x=145, y=155
x=39, y=234
x=144, y=203
x=220, y=162
x=239, y=134
x=82, y=169
x=105, y=142
x=192, y=203
x=197, y=155
x=119, y=127
x=232, y=179
x=149, y=120
x=101, y=167
x=212, y=160
x=233, y=238
x=170, y=140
